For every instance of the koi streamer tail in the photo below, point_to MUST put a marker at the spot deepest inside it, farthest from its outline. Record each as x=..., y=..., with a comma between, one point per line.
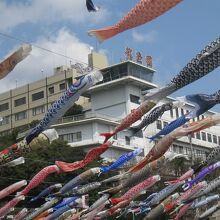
x=90, y=156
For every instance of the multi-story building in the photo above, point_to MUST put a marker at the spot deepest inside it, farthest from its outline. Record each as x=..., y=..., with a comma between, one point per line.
x=115, y=97
x=105, y=104
x=21, y=106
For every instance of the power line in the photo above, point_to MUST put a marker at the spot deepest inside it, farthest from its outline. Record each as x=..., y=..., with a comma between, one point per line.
x=43, y=48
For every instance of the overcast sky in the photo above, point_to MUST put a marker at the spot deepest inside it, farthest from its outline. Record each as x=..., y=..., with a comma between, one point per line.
x=62, y=25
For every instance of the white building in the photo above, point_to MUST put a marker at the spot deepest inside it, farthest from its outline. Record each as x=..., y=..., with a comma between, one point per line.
x=114, y=98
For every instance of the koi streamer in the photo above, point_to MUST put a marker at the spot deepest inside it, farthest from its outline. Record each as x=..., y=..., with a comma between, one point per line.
x=205, y=201
x=163, y=145
x=7, y=207
x=91, y=7
x=209, y=188
x=60, y=106
x=205, y=62
x=136, y=190
x=39, y=178
x=121, y=160
x=182, y=211
x=12, y=188
x=7, y=65
x=134, y=178
x=14, y=163
x=78, y=180
x=44, y=207
x=201, y=175
x=47, y=191
x=153, y=116
x=67, y=214
x=161, y=208
x=213, y=156
x=202, y=104
x=65, y=202
x=20, y=215
x=210, y=211
x=90, y=156
x=149, y=8
x=21, y=148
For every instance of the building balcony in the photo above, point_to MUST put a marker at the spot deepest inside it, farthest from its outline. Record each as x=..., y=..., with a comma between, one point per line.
x=76, y=118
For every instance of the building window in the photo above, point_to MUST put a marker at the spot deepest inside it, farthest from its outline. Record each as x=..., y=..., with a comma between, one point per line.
x=38, y=110
x=38, y=95
x=5, y=120
x=177, y=113
x=20, y=115
x=203, y=136
x=198, y=118
x=203, y=116
x=51, y=90
x=4, y=107
x=115, y=137
x=165, y=124
x=127, y=140
x=20, y=101
x=159, y=124
x=192, y=135
x=182, y=111
x=198, y=135
x=219, y=140
x=171, y=113
x=134, y=99
x=181, y=149
x=62, y=86
x=72, y=137
x=214, y=139
x=175, y=148
x=209, y=137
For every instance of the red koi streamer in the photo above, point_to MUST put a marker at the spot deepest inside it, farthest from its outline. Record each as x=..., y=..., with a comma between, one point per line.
x=7, y=65
x=182, y=178
x=20, y=215
x=182, y=211
x=136, y=190
x=131, y=118
x=90, y=156
x=7, y=207
x=12, y=188
x=143, y=12
x=164, y=143
x=39, y=178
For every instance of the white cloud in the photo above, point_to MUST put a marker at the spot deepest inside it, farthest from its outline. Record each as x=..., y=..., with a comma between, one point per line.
x=47, y=11
x=149, y=37
x=29, y=69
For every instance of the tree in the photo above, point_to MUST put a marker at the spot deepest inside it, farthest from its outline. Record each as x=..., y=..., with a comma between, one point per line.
x=74, y=110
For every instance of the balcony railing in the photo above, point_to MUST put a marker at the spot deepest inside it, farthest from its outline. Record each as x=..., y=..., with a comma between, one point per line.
x=75, y=118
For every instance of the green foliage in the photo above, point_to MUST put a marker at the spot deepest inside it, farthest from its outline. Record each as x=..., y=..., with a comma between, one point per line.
x=74, y=110
x=45, y=155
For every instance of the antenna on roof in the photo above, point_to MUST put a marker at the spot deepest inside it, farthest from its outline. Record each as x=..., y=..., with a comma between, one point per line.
x=42, y=72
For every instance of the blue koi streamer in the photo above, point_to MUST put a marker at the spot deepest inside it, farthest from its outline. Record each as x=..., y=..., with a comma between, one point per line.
x=61, y=210
x=201, y=175
x=60, y=106
x=65, y=202
x=121, y=160
x=198, y=204
x=202, y=104
x=170, y=127
x=46, y=191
